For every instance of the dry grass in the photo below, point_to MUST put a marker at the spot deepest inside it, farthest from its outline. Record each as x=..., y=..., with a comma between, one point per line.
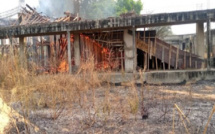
x=51, y=90
x=59, y=92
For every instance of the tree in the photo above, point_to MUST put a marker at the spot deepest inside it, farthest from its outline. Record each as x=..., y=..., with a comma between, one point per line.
x=162, y=31
x=123, y=6
x=98, y=9
x=89, y=9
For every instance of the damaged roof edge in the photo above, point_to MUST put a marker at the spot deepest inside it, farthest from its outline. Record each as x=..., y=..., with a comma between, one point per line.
x=110, y=23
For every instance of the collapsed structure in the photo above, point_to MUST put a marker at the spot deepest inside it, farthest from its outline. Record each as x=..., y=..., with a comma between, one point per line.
x=62, y=44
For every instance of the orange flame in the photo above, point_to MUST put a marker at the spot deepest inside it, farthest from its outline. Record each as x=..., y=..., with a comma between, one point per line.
x=63, y=67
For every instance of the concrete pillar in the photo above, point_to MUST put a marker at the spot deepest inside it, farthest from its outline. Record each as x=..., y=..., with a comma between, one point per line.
x=134, y=49
x=77, y=50
x=200, y=47
x=213, y=44
x=36, y=55
x=129, y=52
x=3, y=42
x=42, y=57
x=22, y=43
x=69, y=51
x=209, y=44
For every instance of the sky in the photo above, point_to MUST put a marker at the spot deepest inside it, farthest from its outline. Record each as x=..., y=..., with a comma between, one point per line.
x=149, y=7
x=165, y=6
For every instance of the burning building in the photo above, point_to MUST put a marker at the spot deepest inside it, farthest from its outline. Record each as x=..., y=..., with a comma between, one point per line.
x=63, y=44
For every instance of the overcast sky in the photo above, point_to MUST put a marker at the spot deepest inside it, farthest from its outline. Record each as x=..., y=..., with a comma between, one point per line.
x=149, y=6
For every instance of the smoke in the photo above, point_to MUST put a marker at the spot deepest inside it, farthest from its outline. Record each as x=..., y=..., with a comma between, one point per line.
x=97, y=9
x=55, y=8
x=87, y=9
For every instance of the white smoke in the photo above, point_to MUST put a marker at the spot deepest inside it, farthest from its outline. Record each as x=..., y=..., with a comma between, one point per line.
x=55, y=8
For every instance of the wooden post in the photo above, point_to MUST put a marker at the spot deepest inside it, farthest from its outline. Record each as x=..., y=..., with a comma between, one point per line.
x=190, y=59
x=185, y=60
x=151, y=49
x=148, y=54
x=177, y=56
x=156, y=63
x=163, y=51
x=155, y=51
x=122, y=66
x=145, y=61
x=69, y=52
x=170, y=54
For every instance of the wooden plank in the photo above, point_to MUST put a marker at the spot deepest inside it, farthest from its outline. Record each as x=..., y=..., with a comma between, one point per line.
x=173, y=51
x=145, y=61
x=170, y=54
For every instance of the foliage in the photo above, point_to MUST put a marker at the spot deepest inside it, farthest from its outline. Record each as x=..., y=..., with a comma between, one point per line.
x=89, y=9
x=123, y=6
x=97, y=9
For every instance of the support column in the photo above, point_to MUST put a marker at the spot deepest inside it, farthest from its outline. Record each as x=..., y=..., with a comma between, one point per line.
x=69, y=52
x=134, y=49
x=42, y=57
x=200, y=39
x=209, y=44
x=77, y=50
x=200, y=47
x=36, y=55
x=129, y=52
x=22, y=43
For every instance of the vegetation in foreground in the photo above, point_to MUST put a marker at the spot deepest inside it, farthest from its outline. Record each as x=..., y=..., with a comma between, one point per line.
x=87, y=102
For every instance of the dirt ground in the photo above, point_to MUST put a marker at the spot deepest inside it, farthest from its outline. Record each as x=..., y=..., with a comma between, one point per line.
x=120, y=109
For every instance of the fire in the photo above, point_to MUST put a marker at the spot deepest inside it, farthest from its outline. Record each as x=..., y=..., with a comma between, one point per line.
x=106, y=65
x=105, y=50
x=63, y=67
x=105, y=60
